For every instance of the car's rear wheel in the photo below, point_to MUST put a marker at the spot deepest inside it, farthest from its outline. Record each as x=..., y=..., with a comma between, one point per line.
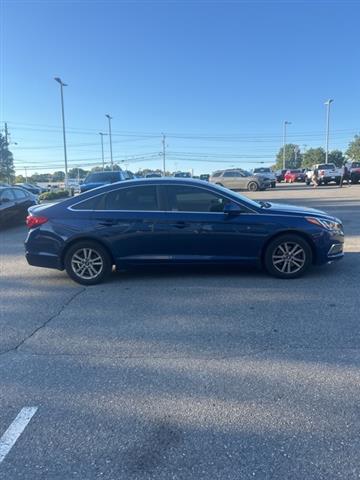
x=288, y=256
x=253, y=186
x=88, y=263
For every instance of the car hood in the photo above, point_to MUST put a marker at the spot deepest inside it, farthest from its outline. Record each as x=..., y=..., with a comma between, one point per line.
x=284, y=209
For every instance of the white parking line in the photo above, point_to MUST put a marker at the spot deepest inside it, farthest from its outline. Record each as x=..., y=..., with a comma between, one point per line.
x=7, y=441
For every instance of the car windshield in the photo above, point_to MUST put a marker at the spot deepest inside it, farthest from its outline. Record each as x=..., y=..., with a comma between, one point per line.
x=102, y=177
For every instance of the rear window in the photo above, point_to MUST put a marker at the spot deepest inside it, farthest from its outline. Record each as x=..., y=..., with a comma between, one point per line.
x=326, y=166
x=103, y=177
x=216, y=174
x=262, y=170
x=355, y=165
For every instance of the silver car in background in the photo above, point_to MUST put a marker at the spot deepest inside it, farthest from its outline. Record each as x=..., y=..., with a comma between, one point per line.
x=239, y=179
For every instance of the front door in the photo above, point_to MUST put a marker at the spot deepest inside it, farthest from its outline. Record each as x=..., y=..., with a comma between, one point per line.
x=197, y=229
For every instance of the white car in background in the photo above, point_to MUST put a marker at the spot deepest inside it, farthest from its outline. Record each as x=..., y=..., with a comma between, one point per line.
x=267, y=173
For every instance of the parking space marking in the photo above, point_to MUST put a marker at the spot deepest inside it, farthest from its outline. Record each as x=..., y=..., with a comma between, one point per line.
x=9, y=438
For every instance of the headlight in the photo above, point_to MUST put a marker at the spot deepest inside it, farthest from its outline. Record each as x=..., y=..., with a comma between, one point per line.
x=328, y=224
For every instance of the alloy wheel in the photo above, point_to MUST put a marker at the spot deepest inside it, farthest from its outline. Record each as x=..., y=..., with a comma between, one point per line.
x=87, y=263
x=289, y=258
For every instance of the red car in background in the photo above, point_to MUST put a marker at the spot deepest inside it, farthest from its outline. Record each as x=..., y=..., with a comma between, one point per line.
x=296, y=175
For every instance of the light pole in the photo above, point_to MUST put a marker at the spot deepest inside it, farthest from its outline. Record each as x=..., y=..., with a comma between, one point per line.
x=286, y=123
x=102, y=148
x=164, y=153
x=110, y=137
x=327, y=103
x=62, y=84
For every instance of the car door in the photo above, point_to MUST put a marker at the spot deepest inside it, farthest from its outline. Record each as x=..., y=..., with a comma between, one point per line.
x=124, y=218
x=197, y=229
x=23, y=202
x=230, y=179
x=8, y=206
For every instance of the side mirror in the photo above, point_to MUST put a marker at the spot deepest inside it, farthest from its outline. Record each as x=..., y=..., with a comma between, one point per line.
x=232, y=208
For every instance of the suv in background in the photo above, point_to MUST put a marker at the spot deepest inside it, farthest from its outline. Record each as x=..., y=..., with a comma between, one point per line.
x=99, y=179
x=266, y=172
x=327, y=172
x=238, y=179
x=355, y=172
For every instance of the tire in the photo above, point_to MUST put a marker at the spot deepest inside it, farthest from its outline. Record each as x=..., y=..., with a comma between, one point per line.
x=253, y=187
x=83, y=251
x=279, y=267
x=307, y=182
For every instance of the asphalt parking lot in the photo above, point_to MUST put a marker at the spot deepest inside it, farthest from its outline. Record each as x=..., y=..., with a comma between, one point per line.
x=185, y=374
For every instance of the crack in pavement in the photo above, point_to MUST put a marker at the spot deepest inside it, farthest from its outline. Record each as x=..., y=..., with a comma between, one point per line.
x=44, y=324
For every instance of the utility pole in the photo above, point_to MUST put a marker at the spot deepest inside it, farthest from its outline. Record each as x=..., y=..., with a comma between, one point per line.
x=327, y=103
x=284, y=142
x=25, y=174
x=62, y=84
x=111, y=152
x=102, y=149
x=164, y=153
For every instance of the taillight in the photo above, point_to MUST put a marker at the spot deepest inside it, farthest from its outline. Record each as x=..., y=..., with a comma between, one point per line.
x=32, y=221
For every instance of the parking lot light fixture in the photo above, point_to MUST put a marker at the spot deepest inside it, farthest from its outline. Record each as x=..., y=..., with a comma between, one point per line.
x=62, y=84
x=327, y=103
x=110, y=138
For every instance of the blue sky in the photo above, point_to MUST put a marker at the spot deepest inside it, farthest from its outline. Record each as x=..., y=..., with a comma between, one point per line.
x=219, y=78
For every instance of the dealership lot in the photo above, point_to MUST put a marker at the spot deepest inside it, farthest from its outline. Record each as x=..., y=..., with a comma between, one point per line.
x=185, y=373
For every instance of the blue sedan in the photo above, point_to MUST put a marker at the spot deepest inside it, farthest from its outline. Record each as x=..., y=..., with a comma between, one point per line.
x=169, y=220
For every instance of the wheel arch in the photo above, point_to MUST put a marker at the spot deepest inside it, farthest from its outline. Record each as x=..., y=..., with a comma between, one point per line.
x=301, y=234
x=86, y=238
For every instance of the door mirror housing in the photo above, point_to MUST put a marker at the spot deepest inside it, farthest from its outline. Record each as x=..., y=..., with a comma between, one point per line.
x=232, y=208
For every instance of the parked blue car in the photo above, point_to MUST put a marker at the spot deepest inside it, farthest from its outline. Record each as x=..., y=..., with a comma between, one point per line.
x=169, y=220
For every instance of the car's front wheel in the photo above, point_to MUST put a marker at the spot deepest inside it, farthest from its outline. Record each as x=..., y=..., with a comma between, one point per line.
x=288, y=256
x=88, y=263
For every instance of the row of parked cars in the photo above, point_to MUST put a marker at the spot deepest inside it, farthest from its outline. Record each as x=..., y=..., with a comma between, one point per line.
x=327, y=173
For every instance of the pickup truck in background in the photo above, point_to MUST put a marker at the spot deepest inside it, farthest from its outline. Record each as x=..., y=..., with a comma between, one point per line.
x=327, y=173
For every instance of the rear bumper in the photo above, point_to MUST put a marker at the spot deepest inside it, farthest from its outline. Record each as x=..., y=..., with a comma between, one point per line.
x=44, y=260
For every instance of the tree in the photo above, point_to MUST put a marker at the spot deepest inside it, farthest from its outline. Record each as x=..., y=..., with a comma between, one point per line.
x=58, y=176
x=293, y=157
x=353, y=151
x=20, y=179
x=40, y=177
x=336, y=157
x=313, y=156
x=7, y=170
x=75, y=172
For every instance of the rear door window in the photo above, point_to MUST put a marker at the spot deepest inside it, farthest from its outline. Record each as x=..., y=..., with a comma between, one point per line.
x=142, y=198
x=19, y=194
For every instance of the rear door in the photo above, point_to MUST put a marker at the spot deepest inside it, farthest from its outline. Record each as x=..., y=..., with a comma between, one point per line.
x=125, y=219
